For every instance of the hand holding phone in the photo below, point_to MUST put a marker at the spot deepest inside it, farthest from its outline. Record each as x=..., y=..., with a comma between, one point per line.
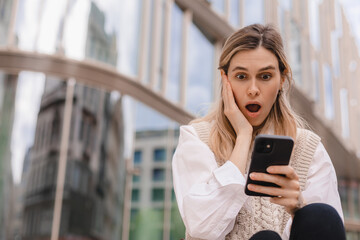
x=269, y=150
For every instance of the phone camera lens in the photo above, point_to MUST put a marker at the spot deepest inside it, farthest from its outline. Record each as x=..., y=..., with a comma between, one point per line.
x=264, y=146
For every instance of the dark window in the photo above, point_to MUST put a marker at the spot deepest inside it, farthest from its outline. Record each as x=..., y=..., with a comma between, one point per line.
x=137, y=157
x=135, y=196
x=158, y=194
x=55, y=129
x=134, y=212
x=136, y=178
x=159, y=155
x=158, y=174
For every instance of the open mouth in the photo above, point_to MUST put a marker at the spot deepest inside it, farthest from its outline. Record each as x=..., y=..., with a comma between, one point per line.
x=253, y=107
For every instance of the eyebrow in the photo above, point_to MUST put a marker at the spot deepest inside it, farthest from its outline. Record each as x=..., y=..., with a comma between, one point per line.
x=270, y=67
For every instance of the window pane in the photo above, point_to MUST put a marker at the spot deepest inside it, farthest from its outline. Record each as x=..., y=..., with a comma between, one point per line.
x=35, y=165
x=159, y=155
x=295, y=56
x=137, y=157
x=234, y=13
x=175, y=54
x=155, y=138
x=335, y=53
x=157, y=194
x=5, y=16
x=200, y=76
x=135, y=195
x=254, y=12
x=95, y=172
x=314, y=23
x=218, y=5
x=136, y=178
x=129, y=30
x=158, y=174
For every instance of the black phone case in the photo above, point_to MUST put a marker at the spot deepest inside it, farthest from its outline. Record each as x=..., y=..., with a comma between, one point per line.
x=263, y=156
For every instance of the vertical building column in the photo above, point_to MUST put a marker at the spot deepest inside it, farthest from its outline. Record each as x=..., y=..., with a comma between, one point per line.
x=270, y=11
x=11, y=31
x=155, y=47
x=241, y=13
x=184, y=46
x=168, y=183
x=60, y=183
x=127, y=198
x=144, y=44
x=166, y=50
x=227, y=10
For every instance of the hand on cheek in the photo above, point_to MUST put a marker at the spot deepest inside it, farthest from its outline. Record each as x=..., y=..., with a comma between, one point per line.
x=231, y=110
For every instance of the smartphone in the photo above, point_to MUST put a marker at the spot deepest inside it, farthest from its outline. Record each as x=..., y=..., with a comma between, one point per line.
x=269, y=150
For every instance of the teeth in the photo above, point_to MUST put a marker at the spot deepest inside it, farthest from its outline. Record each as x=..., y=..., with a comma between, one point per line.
x=253, y=107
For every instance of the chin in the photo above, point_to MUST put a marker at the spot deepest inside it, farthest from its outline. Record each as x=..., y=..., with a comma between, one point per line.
x=257, y=125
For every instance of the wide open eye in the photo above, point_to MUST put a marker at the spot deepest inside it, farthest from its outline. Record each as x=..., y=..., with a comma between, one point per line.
x=266, y=76
x=240, y=76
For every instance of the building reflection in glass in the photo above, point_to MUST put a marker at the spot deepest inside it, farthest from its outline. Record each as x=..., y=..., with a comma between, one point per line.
x=93, y=191
x=92, y=205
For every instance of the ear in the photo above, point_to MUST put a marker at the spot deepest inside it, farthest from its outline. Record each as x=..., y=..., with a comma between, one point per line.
x=223, y=74
x=282, y=80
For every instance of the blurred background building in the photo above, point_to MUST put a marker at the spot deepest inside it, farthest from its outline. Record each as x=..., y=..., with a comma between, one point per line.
x=124, y=75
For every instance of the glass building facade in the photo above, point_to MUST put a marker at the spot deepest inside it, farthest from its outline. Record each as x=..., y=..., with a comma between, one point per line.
x=92, y=94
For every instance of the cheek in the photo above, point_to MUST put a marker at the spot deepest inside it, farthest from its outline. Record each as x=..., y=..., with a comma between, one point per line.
x=238, y=98
x=237, y=93
x=271, y=96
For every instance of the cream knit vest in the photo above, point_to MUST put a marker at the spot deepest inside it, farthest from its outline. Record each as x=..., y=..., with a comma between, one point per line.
x=263, y=214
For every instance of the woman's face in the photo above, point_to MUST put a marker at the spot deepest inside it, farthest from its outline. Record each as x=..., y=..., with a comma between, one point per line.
x=255, y=79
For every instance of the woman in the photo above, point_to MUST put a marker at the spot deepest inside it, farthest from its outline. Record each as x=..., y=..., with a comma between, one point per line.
x=211, y=161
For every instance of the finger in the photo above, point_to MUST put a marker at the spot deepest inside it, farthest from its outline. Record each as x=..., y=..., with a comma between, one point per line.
x=281, y=181
x=229, y=97
x=225, y=90
x=287, y=170
x=274, y=191
x=230, y=106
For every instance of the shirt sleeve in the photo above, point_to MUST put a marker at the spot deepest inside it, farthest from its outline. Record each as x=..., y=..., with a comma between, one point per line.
x=209, y=197
x=321, y=185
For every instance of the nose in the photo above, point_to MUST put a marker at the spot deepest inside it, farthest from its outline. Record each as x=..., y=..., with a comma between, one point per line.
x=253, y=89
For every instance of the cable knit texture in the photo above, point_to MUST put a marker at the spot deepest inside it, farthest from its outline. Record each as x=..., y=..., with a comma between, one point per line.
x=264, y=215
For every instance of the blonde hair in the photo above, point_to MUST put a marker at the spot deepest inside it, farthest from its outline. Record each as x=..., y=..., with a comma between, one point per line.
x=281, y=119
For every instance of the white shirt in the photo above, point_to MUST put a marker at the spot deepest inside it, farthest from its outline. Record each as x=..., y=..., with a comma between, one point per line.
x=209, y=197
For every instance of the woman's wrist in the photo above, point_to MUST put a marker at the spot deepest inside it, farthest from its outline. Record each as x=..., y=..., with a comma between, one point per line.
x=240, y=151
x=244, y=134
x=300, y=204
